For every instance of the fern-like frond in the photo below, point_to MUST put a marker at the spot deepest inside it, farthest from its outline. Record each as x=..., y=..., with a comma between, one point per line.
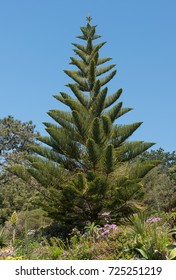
x=107, y=79
x=75, y=105
x=96, y=89
x=65, y=115
x=104, y=69
x=95, y=50
x=91, y=75
x=123, y=111
x=63, y=118
x=85, y=32
x=92, y=31
x=74, y=75
x=103, y=60
x=79, y=63
x=114, y=112
x=80, y=47
x=68, y=146
x=92, y=151
x=129, y=150
x=89, y=46
x=50, y=125
x=85, y=38
x=46, y=174
x=107, y=125
x=98, y=47
x=80, y=124
x=139, y=170
x=59, y=135
x=49, y=141
x=59, y=98
x=82, y=55
x=113, y=98
x=98, y=104
x=89, y=31
x=63, y=97
x=47, y=153
x=84, y=100
x=123, y=132
x=96, y=131
x=94, y=57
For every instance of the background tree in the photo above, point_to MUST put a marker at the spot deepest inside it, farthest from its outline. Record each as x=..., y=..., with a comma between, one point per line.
x=86, y=165
x=160, y=183
x=15, y=141
x=15, y=137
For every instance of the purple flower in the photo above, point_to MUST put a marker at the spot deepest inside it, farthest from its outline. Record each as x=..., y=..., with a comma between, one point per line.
x=106, y=232
x=153, y=219
x=111, y=226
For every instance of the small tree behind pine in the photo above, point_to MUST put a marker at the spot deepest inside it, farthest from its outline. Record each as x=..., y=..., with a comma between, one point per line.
x=16, y=137
x=85, y=167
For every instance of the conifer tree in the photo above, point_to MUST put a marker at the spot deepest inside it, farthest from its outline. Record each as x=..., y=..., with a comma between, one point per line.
x=85, y=166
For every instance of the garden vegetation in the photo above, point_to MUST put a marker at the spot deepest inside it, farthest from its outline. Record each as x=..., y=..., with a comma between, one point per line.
x=85, y=191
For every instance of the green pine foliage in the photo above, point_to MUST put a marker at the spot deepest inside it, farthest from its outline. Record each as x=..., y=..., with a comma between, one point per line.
x=85, y=166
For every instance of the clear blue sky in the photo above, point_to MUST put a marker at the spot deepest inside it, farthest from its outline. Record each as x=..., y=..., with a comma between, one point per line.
x=35, y=46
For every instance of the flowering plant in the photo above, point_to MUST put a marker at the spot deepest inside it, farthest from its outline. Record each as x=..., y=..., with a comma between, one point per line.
x=107, y=229
x=153, y=220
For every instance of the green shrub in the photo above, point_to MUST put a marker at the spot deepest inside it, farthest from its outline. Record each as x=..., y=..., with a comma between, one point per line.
x=3, y=238
x=150, y=237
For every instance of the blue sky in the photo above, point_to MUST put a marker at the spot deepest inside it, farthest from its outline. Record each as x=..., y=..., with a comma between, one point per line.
x=35, y=46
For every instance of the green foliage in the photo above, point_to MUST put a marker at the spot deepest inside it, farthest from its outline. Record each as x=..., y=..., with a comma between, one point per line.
x=160, y=183
x=139, y=237
x=15, y=135
x=14, y=218
x=151, y=236
x=86, y=168
x=16, y=139
x=3, y=238
x=136, y=224
x=26, y=221
x=109, y=159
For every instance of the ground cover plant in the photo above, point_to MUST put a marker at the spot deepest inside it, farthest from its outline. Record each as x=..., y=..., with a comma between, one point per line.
x=138, y=237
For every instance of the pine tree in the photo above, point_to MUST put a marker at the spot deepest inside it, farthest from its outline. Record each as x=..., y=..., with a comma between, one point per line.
x=85, y=166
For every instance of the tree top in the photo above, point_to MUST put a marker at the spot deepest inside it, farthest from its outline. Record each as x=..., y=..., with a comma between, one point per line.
x=89, y=18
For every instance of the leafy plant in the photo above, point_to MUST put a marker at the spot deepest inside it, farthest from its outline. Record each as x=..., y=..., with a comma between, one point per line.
x=3, y=238
x=16, y=138
x=136, y=224
x=150, y=236
x=13, y=220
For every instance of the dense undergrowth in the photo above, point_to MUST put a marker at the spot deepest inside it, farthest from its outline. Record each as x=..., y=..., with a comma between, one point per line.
x=141, y=236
